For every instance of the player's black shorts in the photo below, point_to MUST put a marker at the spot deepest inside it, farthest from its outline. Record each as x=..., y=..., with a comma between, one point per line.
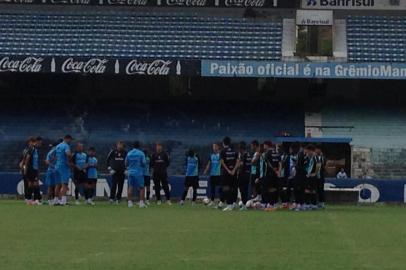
x=192, y=181
x=79, y=177
x=31, y=175
x=147, y=180
x=283, y=183
x=311, y=183
x=91, y=180
x=215, y=180
x=228, y=180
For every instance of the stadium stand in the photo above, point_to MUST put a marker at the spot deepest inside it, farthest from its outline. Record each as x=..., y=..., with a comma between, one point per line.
x=179, y=126
x=134, y=34
x=376, y=132
x=376, y=38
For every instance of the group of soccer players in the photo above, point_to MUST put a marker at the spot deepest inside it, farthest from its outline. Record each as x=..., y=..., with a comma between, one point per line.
x=265, y=175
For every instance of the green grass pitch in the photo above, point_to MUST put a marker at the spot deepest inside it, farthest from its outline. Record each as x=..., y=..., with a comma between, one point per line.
x=173, y=237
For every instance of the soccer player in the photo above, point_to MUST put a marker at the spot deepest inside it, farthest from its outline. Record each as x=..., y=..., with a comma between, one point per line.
x=135, y=163
x=244, y=172
x=229, y=162
x=270, y=173
x=213, y=167
x=79, y=160
x=31, y=171
x=300, y=176
x=311, y=167
x=191, y=176
x=320, y=177
x=30, y=144
x=62, y=166
x=116, y=167
x=283, y=179
x=91, y=167
x=50, y=176
x=255, y=163
x=159, y=165
x=147, y=176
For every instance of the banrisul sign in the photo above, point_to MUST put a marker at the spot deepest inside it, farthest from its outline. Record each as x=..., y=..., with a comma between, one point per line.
x=355, y=4
x=99, y=65
x=303, y=70
x=165, y=3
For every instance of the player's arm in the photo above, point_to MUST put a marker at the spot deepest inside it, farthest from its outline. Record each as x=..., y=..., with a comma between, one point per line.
x=68, y=154
x=25, y=162
x=318, y=168
x=206, y=170
x=167, y=162
x=108, y=159
x=236, y=164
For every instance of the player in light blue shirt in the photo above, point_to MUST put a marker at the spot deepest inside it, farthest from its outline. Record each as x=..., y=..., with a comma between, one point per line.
x=91, y=169
x=135, y=163
x=62, y=167
x=213, y=167
x=50, y=177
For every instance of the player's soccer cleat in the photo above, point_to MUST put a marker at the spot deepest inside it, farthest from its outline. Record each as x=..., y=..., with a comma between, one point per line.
x=228, y=208
x=77, y=202
x=111, y=201
x=210, y=204
x=130, y=204
x=37, y=202
x=169, y=202
x=182, y=202
x=158, y=202
x=142, y=205
x=243, y=208
x=220, y=205
x=147, y=202
x=322, y=205
x=90, y=202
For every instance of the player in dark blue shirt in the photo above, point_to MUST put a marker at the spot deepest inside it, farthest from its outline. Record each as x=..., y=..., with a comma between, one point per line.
x=320, y=177
x=311, y=167
x=79, y=160
x=147, y=176
x=244, y=171
x=191, y=175
x=229, y=162
x=31, y=171
x=91, y=169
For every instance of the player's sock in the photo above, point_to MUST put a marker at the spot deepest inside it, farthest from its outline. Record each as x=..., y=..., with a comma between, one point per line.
x=37, y=193
x=76, y=193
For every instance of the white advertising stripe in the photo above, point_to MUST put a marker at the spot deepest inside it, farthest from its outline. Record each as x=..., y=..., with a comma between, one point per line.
x=314, y=17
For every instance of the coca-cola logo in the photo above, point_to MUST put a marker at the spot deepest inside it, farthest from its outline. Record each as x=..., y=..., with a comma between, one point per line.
x=128, y=2
x=245, y=3
x=93, y=66
x=157, y=67
x=17, y=1
x=192, y=3
x=29, y=64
